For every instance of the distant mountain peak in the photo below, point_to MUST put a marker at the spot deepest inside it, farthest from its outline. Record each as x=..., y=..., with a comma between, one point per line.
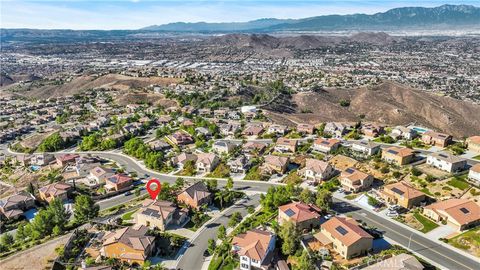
x=442, y=18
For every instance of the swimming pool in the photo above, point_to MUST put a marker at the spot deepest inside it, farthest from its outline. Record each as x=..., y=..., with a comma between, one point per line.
x=35, y=168
x=420, y=130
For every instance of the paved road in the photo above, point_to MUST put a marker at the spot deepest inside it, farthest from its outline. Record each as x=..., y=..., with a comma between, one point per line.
x=430, y=249
x=193, y=256
x=419, y=243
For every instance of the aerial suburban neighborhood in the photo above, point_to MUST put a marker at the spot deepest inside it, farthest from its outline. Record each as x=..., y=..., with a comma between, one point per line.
x=330, y=142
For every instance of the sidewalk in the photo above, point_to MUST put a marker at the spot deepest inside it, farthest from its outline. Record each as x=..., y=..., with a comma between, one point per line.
x=336, y=196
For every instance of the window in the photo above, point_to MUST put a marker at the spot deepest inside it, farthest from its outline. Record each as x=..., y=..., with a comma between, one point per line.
x=245, y=266
x=244, y=259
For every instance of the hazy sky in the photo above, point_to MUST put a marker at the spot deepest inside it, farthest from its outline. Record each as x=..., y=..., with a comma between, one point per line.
x=134, y=14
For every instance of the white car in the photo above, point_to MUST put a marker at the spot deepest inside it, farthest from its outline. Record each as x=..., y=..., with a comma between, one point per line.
x=393, y=207
x=392, y=214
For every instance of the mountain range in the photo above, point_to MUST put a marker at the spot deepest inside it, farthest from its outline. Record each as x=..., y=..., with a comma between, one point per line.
x=414, y=18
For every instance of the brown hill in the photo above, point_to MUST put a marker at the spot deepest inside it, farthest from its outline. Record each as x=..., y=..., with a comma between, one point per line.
x=388, y=103
x=46, y=89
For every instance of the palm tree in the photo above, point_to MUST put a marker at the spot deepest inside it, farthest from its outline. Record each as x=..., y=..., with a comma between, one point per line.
x=219, y=196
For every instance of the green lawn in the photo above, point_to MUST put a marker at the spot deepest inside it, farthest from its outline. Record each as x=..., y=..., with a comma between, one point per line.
x=128, y=215
x=477, y=157
x=428, y=225
x=458, y=183
x=467, y=239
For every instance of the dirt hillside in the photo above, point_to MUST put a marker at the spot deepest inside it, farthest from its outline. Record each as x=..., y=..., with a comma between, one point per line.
x=388, y=103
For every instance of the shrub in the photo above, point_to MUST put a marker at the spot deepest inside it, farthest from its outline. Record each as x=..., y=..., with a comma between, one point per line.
x=344, y=103
x=416, y=172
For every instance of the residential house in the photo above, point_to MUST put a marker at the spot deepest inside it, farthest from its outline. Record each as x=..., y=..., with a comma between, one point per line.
x=367, y=148
x=42, y=159
x=277, y=129
x=316, y=170
x=195, y=195
x=285, y=145
x=255, y=249
x=461, y=214
x=159, y=214
x=181, y=138
x=54, y=191
x=474, y=173
x=326, y=145
x=118, y=182
x=372, y=130
x=159, y=145
x=183, y=158
x=473, y=143
x=201, y=131
x=446, y=162
x=398, y=155
x=238, y=165
x=305, y=128
x=129, y=244
x=401, y=261
x=132, y=128
x=275, y=164
x=403, y=132
x=402, y=194
x=205, y=112
x=355, y=180
x=100, y=174
x=220, y=113
x=67, y=159
x=346, y=237
x=253, y=130
x=206, y=162
x=229, y=129
x=223, y=147
x=252, y=146
x=304, y=216
x=13, y=207
x=336, y=129
x=437, y=139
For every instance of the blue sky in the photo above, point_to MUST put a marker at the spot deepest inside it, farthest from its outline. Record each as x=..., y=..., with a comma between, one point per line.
x=134, y=14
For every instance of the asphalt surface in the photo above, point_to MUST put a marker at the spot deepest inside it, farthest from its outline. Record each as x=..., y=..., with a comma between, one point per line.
x=432, y=250
x=193, y=257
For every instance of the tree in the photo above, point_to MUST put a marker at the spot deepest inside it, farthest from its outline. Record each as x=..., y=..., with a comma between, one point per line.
x=211, y=246
x=179, y=182
x=6, y=240
x=229, y=184
x=234, y=219
x=84, y=209
x=212, y=185
x=31, y=188
x=306, y=196
x=219, y=197
x=324, y=199
x=59, y=214
x=222, y=232
x=57, y=230
x=42, y=225
x=21, y=234
x=304, y=262
x=289, y=235
x=137, y=192
x=52, y=143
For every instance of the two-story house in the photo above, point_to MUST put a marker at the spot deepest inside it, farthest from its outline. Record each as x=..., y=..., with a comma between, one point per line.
x=255, y=249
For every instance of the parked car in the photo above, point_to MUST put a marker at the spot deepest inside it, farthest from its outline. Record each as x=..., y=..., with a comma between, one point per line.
x=392, y=214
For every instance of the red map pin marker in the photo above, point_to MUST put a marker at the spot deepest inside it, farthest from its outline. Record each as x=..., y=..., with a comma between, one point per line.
x=153, y=188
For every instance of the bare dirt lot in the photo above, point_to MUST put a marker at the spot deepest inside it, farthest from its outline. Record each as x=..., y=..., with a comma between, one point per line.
x=36, y=258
